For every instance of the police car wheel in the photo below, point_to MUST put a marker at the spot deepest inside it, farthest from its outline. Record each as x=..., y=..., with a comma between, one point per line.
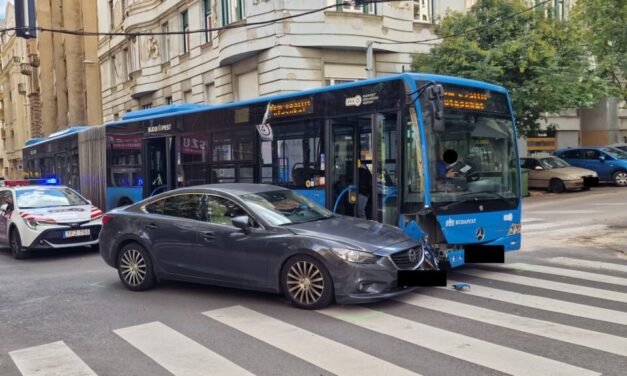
x=16, y=246
x=135, y=268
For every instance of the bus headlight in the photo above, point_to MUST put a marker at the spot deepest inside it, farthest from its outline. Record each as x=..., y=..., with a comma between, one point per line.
x=514, y=229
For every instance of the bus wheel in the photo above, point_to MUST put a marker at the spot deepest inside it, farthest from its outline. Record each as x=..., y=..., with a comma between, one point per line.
x=556, y=186
x=16, y=245
x=124, y=201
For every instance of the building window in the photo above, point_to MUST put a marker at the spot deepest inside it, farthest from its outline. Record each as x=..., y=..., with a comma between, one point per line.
x=111, y=15
x=348, y=6
x=146, y=106
x=165, y=42
x=187, y=96
x=207, y=20
x=336, y=81
x=168, y=101
x=210, y=93
x=232, y=11
x=559, y=9
x=422, y=11
x=185, y=28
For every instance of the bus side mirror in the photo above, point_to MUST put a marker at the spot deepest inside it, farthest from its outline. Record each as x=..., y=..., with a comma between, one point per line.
x=435, y=94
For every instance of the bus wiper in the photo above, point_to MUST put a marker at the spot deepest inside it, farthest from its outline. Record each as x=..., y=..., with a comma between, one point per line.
x=472, y=196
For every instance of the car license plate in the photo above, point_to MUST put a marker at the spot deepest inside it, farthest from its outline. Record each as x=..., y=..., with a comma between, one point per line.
x=75, y=233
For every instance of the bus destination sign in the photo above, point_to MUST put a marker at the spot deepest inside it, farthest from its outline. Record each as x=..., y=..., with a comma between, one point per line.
x=459, y=98
x=291, y=108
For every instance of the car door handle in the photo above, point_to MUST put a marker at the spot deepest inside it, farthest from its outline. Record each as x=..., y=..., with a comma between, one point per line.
x=209, y=235
x=150, y=226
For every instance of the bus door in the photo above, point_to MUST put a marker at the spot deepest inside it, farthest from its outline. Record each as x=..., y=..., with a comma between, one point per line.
x=364, y=171
x=158, y=166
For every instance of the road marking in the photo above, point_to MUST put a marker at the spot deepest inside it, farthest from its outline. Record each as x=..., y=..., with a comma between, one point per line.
x=582, y=337
x=549, y=285
x=529, y=220
x=589, y=264
x=177, y=353
x=50, y=359
x=567, y=230
x=320, y=351
x=483, y=353
x=566, y=273
x=546, y=304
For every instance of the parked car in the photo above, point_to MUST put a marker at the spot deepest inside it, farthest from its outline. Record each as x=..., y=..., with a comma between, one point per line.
x=45, y=217
x=621, y=146
x=609, y=163
x=259, y=237
x=556, y=175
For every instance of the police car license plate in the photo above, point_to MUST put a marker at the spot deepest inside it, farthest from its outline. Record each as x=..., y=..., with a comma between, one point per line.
x=75, y=233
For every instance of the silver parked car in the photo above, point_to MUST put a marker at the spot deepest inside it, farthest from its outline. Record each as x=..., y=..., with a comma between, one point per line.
x=259, y=237
x=557, y=175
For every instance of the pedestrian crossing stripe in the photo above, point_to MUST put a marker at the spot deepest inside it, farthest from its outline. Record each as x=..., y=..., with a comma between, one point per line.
x=52, y=359
x=590, y=264
x=562, y=272
x=546, y=304
x=577, y=336
x=548, y=285
x=483, y=353
x=325, y=353
x=177, y=353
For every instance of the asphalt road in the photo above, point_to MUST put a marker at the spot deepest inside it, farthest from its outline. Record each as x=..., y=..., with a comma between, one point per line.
x=559, y=306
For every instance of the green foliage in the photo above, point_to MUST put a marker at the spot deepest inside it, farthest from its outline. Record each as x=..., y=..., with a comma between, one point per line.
x=604, y=27
x=540, y=60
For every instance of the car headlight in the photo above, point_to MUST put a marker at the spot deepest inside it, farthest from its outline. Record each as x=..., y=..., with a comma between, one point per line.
x=34, y=223
x=353, y=255
x=514, y=229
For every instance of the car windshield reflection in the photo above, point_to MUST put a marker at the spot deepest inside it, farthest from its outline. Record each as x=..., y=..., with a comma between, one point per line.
x=551, y=163
x=284, y=207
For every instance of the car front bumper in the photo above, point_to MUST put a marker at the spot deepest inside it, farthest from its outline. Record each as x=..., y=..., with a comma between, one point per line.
x=53, y=238
x=364, y=283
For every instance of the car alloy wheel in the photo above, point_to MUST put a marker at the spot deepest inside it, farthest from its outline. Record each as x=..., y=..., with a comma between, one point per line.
x=306, y=283
x=620, y=178
x=134, y=268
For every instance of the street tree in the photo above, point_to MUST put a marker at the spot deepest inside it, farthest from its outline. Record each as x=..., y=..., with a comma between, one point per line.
x=604, y=27
x=540, y=60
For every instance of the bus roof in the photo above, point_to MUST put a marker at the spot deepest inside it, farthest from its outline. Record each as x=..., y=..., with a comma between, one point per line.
x=56, y=135
x=181, y=109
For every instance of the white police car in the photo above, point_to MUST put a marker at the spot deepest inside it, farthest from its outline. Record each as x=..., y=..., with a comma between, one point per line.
x=34, y=215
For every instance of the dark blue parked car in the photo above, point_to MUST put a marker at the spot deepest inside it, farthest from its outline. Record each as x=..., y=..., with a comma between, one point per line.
x=609, y=163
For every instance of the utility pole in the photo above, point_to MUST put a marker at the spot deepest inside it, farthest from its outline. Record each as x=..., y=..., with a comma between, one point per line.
x=370, y=58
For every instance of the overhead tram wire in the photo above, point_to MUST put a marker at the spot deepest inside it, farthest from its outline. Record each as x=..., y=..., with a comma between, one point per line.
x=184, y=32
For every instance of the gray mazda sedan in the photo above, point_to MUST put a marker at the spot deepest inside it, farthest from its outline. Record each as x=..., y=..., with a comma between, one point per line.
x=258, y=237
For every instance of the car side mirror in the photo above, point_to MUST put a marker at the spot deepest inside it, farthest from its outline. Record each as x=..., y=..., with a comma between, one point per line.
x=538, y=168
x=602, y=158
x=242, y=222
x=4, y=208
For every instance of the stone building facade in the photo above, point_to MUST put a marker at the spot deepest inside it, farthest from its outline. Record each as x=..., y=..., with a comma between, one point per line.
x=251, y=60
x=49, y=83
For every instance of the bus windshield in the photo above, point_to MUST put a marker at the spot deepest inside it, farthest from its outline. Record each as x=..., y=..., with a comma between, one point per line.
x=472, y=161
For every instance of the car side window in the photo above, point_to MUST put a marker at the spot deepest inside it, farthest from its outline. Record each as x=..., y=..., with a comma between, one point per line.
x=220, y=210
x=592, y=154
x=183, y=206
x=155, y=207
x=6, y=198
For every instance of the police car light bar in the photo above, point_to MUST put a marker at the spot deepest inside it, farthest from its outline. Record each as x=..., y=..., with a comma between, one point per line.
x=19, y=183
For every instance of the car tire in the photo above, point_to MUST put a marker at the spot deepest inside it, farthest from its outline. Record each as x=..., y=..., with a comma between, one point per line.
x=306, y=283
x=620, y=178
x=556, y=186
x=15, y=242
x=135, y=268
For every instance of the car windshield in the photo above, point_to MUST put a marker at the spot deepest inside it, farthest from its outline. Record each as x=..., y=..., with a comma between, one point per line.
x=284, y=207
x=34, y=198
x=616, y=153
x=551, y=163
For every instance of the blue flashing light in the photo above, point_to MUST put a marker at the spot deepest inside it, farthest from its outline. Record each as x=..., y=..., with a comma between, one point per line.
x=52, y=181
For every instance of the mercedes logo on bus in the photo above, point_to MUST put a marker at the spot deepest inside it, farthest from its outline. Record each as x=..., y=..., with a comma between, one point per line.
x=412, y=254
x=480, y=233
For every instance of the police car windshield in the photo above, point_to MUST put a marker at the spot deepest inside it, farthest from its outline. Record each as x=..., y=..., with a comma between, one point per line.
x=35, y=198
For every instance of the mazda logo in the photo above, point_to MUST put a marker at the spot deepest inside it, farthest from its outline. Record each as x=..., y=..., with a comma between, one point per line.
x=412, y=254
x=480, y=233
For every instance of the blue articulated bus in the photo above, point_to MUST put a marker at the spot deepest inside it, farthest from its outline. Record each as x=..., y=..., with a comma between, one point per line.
x=434, y=155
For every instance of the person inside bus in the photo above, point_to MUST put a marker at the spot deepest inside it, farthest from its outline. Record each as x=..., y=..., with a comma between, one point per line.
x=444, y=166
x=364, y=189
